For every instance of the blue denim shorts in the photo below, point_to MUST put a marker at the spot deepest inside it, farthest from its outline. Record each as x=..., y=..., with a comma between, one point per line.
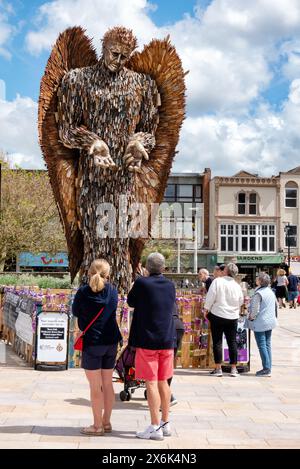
x=293, y=295
x=99, y=357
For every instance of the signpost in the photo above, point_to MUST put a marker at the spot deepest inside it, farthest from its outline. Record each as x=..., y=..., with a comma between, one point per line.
x=52, y=341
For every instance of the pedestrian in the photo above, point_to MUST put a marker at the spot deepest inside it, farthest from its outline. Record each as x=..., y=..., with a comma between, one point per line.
x=140, y=271
x=262, y=320
x=204, y=277
x=152, y=332
x=218, y=270
x=179, y=328
x=281, y=287
x=222, y=307
x=292, y=289
x=100, y=342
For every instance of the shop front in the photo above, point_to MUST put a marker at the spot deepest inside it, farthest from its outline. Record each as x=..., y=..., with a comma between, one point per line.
x=251, y=265
x=294, y=264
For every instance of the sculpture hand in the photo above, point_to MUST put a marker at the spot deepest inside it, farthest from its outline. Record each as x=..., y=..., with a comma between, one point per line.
x=134, y=154
x=100, y=151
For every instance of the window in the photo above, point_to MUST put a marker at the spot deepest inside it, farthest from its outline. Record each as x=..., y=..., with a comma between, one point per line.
x=183, y=193
x=241, y=203
x=291, y=195
x=198, y=193
x=247, y=203
x=247, y=238
x=291, y=236
x=252, y=204
x=170, y=194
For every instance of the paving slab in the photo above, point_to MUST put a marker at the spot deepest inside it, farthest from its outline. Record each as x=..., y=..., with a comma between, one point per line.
x=48, y=409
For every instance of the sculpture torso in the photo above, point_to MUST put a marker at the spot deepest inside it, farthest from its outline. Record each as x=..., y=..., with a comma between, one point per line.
x=112, y=106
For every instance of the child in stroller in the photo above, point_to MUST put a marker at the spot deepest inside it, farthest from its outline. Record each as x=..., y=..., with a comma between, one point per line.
x=126, y=372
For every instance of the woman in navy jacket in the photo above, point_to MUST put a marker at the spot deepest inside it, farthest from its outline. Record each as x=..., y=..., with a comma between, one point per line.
x=99, y=343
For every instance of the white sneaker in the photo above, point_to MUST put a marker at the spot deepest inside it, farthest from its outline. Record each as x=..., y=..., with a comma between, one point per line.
x=166, y=428
x=234, y=372
x=153, y=432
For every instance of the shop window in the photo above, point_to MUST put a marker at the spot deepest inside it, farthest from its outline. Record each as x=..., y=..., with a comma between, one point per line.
x=247, y=238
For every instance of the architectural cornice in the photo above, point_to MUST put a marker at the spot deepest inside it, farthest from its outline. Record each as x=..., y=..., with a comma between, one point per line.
x=246, y=181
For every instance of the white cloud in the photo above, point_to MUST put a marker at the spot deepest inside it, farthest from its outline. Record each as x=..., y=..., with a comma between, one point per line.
x=18, y=132
x=2, y=90
x=265, y=144
x=96, y=16
x=232, y=48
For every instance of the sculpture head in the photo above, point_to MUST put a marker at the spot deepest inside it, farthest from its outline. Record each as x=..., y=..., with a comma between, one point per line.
x=117, y=46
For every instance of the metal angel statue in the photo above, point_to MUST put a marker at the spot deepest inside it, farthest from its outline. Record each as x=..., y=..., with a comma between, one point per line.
x=107, y=128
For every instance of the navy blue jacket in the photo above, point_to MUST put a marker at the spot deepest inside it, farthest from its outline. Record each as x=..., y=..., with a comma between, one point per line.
x=86, y=305
x=153, y=301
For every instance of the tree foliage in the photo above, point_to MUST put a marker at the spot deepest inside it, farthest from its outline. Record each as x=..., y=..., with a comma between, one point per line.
x=29, y=219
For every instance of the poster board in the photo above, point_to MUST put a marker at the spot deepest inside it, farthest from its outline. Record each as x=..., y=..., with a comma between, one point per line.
x=52, y=339
x=18, y=314
x=243, y=344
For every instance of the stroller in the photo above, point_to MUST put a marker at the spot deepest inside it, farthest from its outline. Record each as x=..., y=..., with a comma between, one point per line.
x=126, y=372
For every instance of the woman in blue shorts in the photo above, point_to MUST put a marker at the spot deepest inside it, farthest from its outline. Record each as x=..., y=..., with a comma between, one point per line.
x=100, y=342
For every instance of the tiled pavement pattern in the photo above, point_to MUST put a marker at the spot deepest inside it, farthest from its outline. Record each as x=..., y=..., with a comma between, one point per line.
x=47, y=409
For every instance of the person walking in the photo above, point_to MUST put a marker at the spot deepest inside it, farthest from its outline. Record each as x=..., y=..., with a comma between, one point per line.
x=222, y=308
x=262, y=320
x=281, y=287
x=100, y=342
x=293, y=289
x=152, y=332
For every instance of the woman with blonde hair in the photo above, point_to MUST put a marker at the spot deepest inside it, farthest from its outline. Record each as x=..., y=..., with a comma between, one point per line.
x=281, y=287
x=100, y=342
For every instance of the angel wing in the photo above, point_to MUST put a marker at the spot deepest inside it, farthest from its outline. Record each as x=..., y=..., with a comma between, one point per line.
x=73, y=49
x=160, y=60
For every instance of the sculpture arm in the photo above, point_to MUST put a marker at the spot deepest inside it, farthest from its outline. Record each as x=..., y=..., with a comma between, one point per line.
x=72, y=133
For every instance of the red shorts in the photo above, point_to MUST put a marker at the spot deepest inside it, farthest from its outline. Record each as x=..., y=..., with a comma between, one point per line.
x=154, y=365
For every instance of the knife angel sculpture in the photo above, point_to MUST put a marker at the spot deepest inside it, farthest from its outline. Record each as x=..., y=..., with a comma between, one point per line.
x=108, y=130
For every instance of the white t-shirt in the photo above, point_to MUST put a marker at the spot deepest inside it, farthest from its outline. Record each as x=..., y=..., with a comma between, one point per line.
x=281, y=280
x=224, y=298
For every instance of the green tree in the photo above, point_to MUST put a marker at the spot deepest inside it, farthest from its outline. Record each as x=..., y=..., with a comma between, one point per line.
x=29, y=218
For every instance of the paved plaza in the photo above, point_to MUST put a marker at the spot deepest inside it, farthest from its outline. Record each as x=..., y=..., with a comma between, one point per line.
x=47, y=409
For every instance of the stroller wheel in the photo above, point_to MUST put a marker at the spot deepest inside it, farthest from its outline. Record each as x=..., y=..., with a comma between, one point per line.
x=125, y=396
x=145, y=394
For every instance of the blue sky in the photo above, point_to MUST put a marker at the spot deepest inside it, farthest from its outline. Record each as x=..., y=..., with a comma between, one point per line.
x=243, y=89
x=22, y=73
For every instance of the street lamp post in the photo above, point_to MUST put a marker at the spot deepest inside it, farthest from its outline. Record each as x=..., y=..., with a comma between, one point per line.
x=195, y=209
x=287, y=232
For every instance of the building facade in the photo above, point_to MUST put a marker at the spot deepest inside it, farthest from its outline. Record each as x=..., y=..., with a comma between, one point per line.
x=245, y=222
x=290, y=217
x=191, y=192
